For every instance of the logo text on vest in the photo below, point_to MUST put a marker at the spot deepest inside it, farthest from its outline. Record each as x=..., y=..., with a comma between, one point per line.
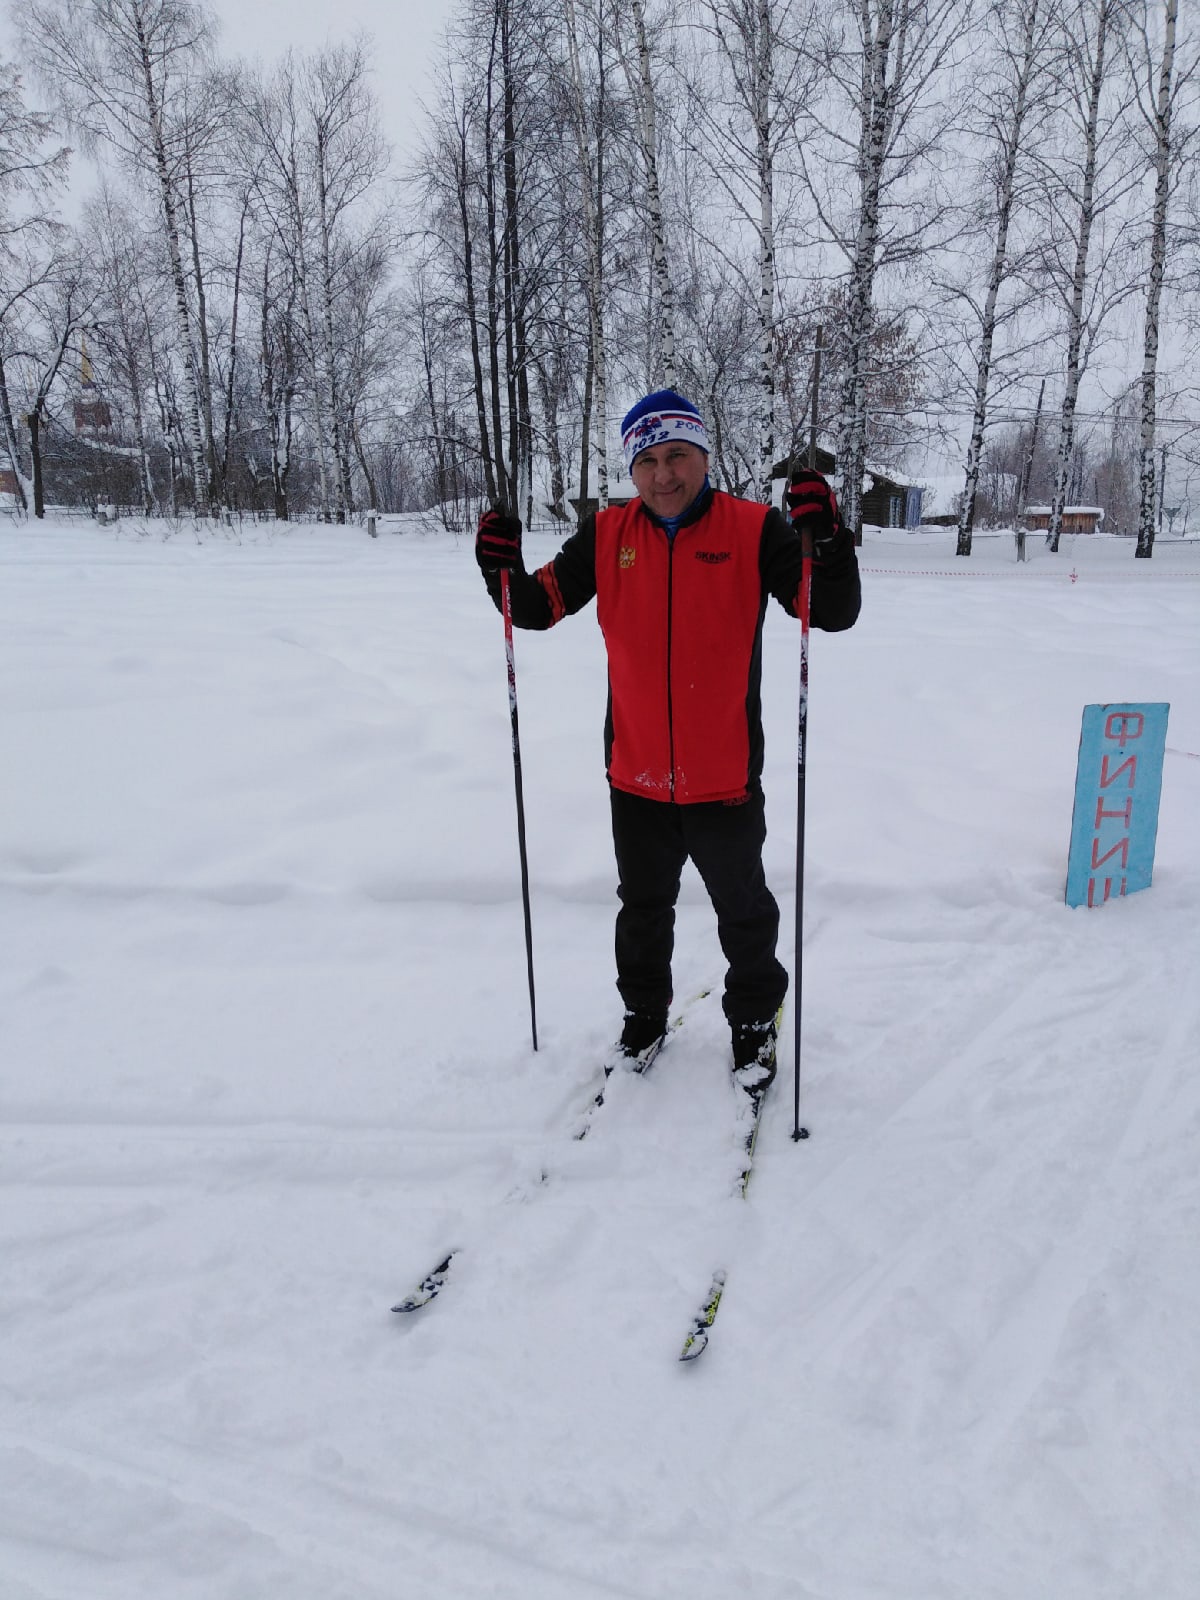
x=714, y=557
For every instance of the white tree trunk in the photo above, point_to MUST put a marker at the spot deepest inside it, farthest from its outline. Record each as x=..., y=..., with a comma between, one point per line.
x=179, y=282
x=1006, y=186
x=1149, y=496
x=764, y=63
x=877, y=20
x=312, y=349
x=641, y=91
x=1075, y=317
x=341, y=461
x=595, y=276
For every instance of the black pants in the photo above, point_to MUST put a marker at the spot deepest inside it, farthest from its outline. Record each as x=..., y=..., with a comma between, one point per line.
x=653, y=839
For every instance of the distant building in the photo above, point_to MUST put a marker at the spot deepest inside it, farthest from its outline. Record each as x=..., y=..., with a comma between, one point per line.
x=92, y=414
x=1075, y=519
x=889, y=502
x=620, y=493
x=941, y=498
x=826, y=461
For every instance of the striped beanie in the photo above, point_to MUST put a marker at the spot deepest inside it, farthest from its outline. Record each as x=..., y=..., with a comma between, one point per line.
x=659, y=418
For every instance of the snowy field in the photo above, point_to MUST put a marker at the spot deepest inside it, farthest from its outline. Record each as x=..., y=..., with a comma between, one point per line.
x=264, y=1056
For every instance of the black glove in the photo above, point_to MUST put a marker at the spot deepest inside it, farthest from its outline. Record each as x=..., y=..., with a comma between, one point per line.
x=813, y=508
x=498, y=541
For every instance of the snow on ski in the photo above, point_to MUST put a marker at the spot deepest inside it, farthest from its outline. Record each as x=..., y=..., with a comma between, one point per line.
x=435, y=1281
x=641, y=1067
x=696, y=1340
x=429, y=1287
x=697, y=1337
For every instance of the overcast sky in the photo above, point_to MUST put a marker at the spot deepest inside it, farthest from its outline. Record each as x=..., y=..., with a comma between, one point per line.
x=405, y=34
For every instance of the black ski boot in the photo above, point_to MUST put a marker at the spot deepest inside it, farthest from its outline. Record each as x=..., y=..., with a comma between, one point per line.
x=754, y=1055
x=641, y=1039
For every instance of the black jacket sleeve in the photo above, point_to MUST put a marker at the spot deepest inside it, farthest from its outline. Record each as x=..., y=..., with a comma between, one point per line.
x=557, y=590
x=836, y=588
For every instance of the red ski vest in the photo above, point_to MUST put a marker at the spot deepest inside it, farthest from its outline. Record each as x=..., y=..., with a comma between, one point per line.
x=682, y=621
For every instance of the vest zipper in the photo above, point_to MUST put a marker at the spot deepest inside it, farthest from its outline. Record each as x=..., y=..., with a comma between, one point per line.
x=670, y=701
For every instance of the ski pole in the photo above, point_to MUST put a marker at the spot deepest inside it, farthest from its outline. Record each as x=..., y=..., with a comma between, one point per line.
x=802, y=753
x=506, y=608
x=797, y=1005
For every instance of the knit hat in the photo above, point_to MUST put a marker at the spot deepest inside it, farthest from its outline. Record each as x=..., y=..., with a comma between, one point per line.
x=659, y=418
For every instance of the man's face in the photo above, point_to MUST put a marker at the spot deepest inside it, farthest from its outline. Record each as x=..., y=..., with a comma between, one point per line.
x=669, y=476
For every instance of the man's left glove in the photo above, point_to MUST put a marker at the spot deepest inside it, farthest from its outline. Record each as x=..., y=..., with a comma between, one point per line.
x=813, y=508
x=498, y=541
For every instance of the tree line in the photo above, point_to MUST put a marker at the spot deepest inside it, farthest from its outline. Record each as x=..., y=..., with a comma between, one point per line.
x=980, y=212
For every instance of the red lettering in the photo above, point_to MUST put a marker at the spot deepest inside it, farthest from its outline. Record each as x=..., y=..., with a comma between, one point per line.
x=1107, y=895
x=1121, y=845
x=1122, y=720
x=1106, y=777
x=1125, y=814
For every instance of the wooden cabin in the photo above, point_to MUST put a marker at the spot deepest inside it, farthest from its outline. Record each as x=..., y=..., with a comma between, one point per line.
x=890, y=503
x=1075, y=519
x=620, y=493
x=826, y=461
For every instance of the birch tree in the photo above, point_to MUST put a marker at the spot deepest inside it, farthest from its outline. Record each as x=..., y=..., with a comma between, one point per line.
x=1088, y=179
x=873, y=176
x=273, y=134
x=369, y=315
x=447, y=176
x=1153, y=53
x=278, y=294
x=33, y=170
x=747, y=119
x=590, y=189
x=500, y=205
x=347, y=156
x=120, y=260
x=117, y=67
x=314, y=158
x=640, y=79
x=60, y=306
x=200, y=112
x=1016, y=106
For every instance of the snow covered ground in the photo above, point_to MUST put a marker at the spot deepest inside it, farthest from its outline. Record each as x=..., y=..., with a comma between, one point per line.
x=264, y=1056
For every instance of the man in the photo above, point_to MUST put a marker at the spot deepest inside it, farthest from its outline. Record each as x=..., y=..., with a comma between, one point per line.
x=681, y=578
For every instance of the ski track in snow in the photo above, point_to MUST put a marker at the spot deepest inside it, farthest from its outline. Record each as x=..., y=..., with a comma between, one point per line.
x=264, y=1058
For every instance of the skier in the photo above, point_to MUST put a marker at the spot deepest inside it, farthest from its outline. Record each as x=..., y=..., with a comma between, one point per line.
x=681, y=578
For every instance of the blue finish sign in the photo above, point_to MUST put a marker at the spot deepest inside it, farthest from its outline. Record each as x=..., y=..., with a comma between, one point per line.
x=1117, y=789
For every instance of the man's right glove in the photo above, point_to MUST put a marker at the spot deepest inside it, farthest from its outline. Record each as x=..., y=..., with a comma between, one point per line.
x=498, y=541
x=813, y=508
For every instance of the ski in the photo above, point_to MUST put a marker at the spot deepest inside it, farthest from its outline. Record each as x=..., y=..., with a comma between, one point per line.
x=429, y=1287
x=643, y=1063
x=697, y=1337
x=696, y=1341
x=640, y=1066
x=756, y=1098
x=435, y=1281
